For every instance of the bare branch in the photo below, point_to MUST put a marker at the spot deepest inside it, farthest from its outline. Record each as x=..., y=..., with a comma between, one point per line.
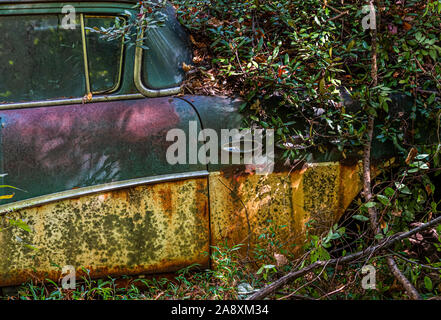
x=386, y=243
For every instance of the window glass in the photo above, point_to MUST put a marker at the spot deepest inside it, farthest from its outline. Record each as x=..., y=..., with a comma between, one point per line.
x=168, y=48
x=39, y=59
x=104, y=57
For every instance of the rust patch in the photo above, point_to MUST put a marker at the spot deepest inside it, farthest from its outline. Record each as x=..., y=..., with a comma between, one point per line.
x=245, y=207
x=165, y=267
x=146, y=229
x=165, y=196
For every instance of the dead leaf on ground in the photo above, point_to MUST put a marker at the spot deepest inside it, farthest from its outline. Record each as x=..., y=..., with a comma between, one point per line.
x=280, y=260
x=260, y=58
x=407, y=26
x=186, y=67
x=197, y=44
x=215, y=22
x=412, y=154
x=196, y=84
x=197, y=59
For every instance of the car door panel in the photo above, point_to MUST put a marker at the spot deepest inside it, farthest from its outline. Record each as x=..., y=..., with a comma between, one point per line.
x=54, y=149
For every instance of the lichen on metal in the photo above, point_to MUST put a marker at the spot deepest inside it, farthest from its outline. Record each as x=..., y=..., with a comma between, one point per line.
x=145, y=229
x=244, y=207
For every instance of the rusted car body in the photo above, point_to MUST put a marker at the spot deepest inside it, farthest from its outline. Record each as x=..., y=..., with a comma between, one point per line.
x=83, y=136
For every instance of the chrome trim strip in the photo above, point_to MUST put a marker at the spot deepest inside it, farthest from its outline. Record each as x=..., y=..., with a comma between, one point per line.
x=57, y=102
x=69, y=194
x=137, y=76
x=86, y=62
x=81, y=6
x=121, y=60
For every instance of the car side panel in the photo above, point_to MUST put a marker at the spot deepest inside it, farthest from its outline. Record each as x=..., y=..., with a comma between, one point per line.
x=145, y=229
x=53, y=149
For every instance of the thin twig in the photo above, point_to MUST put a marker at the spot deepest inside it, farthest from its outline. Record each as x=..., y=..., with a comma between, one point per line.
x=413, y=262
x=295, y=291
x=338, y=16
x=332, y=292
x=367, y=189
x=410, y=289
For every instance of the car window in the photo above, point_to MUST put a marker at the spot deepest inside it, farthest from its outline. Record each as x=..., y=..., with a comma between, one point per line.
x=104, y=56
x=39, y=59
x=168, y=47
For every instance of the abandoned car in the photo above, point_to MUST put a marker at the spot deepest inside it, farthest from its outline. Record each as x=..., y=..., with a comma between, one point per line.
x=83, y=154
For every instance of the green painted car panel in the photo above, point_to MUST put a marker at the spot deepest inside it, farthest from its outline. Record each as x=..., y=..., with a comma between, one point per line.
x=53, y=149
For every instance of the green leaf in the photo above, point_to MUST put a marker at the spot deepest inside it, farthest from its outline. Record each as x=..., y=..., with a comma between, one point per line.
x=402, y=188
x=317, y=20
x=322, y=86
x=350, y=45
x=30, y=247
x=20, y=224
x=383, y=199
x=360, y=217
x=389, y=192
x=422, y=156
x=428, y=283
x=370, y=204
x=418, y=36
x=8, y=186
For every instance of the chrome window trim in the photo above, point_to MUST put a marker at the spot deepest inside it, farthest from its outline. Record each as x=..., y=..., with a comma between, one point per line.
x=151, y=93
x=121, y=58
x=85, y=59
x=85, y=191
x=42, y=7
x=57, y=102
